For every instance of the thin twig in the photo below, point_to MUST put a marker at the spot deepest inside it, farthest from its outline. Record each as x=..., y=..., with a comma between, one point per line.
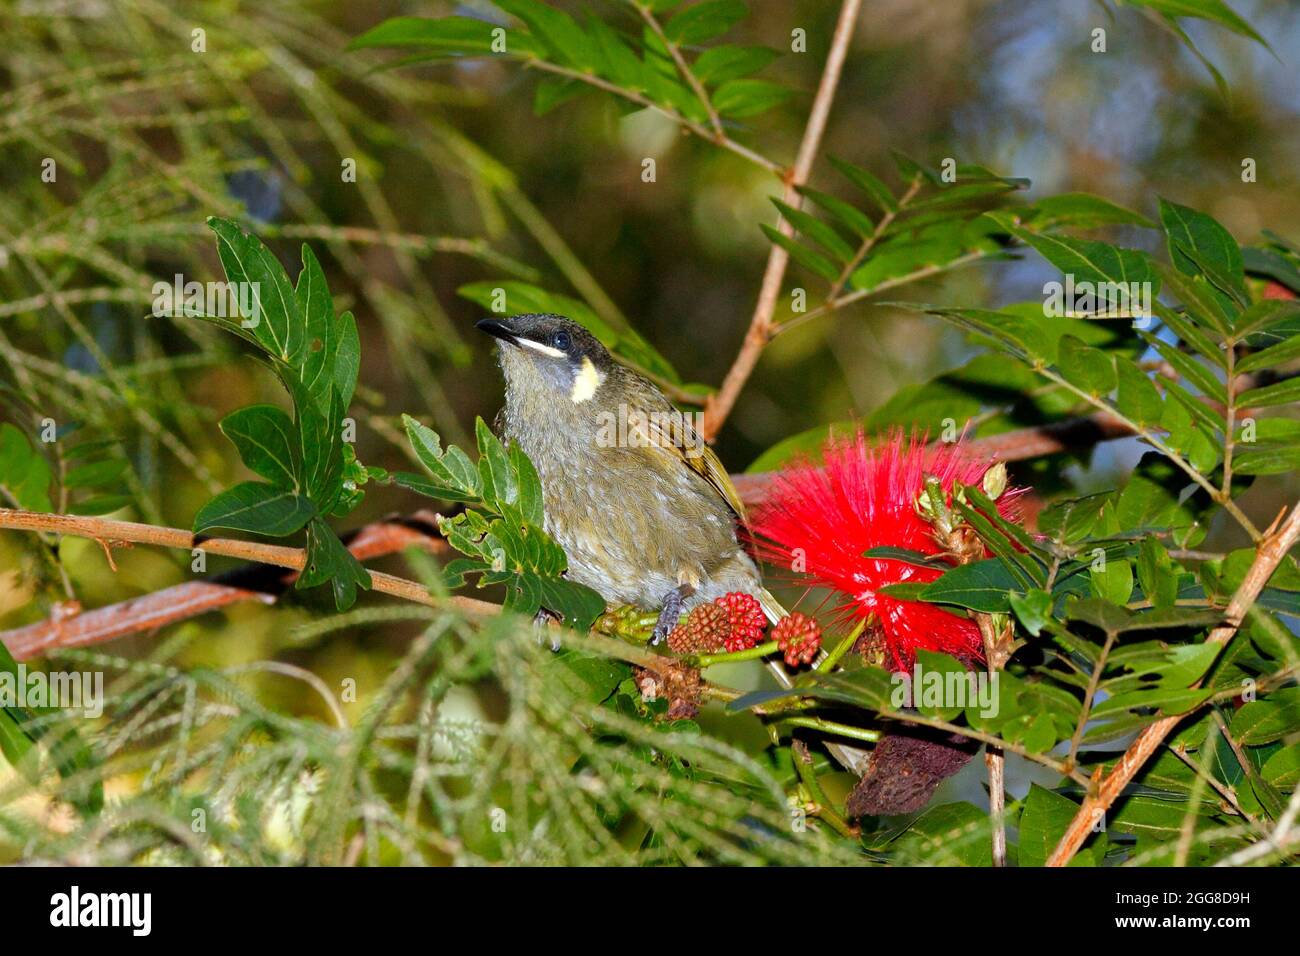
x=110, y=531
x=684, y=69
x=719, y=405
x=726, y=142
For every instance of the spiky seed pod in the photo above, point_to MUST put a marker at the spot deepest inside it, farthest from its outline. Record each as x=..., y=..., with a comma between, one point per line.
x=674, y=681
x=707, y=628
x=799, y=637
x=747, y=620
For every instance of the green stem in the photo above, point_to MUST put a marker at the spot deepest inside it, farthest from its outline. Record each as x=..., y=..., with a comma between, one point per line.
x=834, y=727
x=750, y=654
x=804, y=766
x=828, y=663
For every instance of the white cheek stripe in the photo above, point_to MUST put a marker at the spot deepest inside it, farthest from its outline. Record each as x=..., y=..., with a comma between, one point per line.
x=586, y=382
x=539, y=347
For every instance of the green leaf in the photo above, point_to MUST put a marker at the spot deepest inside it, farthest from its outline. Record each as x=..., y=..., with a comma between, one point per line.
x=1107, y=267
x=267, y=443
x=1282, y=770
x=257, y=508
x=1087, y=368
x=867, y=182
x=741, y=99
x=844, y=213
x=555, y=91
x=328, y=561
x=1282, y=267
x=95, y=474
x=814, y=262
x=451, y=469
x=704, y=21
x=332, y=351
x=1033, y=609
x=565, y=41
x=1279, y=393
x=1190, y=369
x=1199, y=245
x=1114, y=583
x=24, y=473
x=1082, y=211
x=1043, y=822
x=446, y=35
x=500, y=487
x=1275, y=355
x=720, y=64
x=980, y=586
x=276, y=323
x=320, y=443
x=1157, y=573
x=1137, y=397
x=952, y=834
x=1268, y=719
x=432, y=489
x=1021, y=337
x=1216, y=11
x=816, y=230
x=1267, y=458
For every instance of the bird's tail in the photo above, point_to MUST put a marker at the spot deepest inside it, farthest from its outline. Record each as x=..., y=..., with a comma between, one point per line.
x=771, y=606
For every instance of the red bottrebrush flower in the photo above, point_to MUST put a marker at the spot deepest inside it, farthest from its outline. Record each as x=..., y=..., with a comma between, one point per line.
x=819, y=518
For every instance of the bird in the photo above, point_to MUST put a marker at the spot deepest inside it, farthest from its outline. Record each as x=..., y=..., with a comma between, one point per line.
x=645, y=512
x=643, y=509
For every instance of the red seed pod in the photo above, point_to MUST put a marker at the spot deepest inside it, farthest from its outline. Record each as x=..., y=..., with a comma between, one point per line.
x=705, y=629
x=747, y=620
x=799, y=637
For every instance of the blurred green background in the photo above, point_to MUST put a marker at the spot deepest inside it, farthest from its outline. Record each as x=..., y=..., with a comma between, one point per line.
x=459, y=181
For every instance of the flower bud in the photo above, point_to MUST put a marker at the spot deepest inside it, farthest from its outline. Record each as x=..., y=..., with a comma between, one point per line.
x=995, y=481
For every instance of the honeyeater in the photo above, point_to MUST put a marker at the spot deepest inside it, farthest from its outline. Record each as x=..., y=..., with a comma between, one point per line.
x=641, y=506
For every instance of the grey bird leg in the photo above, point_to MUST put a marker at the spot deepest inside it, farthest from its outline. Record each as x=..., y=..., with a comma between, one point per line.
x=671, y=611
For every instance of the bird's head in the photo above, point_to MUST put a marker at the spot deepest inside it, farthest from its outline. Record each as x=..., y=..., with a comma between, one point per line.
x=548, y=358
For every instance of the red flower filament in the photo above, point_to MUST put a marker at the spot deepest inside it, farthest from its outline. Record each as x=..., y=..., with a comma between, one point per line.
x=819, y=519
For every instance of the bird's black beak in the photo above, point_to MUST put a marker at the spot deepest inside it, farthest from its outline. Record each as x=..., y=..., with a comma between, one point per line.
x=498, y=329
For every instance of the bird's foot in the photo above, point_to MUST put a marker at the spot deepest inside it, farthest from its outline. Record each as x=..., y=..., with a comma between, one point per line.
x=548, y=627
x=671, y=612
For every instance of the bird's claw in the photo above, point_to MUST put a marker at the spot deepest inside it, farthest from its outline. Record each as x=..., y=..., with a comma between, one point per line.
x=670, y=613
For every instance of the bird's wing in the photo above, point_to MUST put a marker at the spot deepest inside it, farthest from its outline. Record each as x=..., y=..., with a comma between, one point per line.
x=672, y=432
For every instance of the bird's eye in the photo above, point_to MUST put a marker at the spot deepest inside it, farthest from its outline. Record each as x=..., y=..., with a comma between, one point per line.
x=562, y=341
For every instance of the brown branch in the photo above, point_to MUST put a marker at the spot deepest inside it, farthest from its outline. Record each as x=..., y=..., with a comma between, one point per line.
x=719, y=405
x=1272, y=549
x=260, y=581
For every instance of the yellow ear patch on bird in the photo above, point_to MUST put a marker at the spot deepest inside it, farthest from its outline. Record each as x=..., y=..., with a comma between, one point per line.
x=586, y=382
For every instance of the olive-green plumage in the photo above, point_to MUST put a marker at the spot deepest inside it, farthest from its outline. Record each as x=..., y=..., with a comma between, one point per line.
x=642, y=507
